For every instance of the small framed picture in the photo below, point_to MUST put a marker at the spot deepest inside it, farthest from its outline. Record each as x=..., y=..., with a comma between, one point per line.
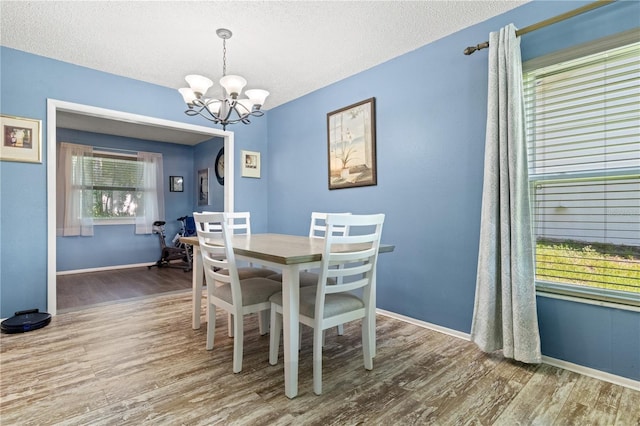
x=203, y=187
x=176, y=184
x=21, y=140
x=250, y=164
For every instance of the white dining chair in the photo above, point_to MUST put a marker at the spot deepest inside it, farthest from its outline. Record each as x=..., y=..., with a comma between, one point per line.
x=317, y=229
x=239, y=223
x=228, y=291
x=328, y=305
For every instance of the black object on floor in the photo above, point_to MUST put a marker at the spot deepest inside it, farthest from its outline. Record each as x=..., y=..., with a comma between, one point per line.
x=22, y=321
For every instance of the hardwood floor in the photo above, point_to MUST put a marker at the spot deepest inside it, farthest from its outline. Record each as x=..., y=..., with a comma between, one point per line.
x=140, y=363
x=77, y=291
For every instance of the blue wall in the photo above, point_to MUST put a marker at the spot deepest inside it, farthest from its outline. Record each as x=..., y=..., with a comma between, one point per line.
x=431, y=108
x=430, y=125
x=26, y=82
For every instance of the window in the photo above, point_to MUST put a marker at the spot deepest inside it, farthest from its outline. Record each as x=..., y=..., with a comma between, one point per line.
x=116, y=180
x=583, y=136
x=107, y=187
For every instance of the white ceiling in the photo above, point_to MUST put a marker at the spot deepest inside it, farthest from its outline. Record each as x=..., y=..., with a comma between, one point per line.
x=290, y=48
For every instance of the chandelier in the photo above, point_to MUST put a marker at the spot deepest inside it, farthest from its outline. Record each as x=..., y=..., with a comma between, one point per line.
x=230, y=109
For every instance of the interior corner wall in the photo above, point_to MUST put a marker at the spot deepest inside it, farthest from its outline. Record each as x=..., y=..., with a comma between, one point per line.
x=430, y=130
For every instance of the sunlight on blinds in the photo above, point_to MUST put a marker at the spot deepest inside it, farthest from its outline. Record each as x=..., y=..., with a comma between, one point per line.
x=583, y=136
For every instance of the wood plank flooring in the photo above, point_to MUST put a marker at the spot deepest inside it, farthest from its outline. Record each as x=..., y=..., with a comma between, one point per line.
x=77, y=291
x=140, y=363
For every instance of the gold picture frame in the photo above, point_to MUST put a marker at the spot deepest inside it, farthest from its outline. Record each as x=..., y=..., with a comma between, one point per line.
x=21, y=139
x=351, y=145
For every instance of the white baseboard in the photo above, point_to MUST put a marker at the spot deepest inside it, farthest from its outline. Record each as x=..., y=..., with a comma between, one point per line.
x=103, y=268
x=576, y=368
x=430, y=326
x=592, y=372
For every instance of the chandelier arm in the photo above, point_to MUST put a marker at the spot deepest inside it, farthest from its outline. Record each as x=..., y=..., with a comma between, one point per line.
x=203, y=111
x=209, y=116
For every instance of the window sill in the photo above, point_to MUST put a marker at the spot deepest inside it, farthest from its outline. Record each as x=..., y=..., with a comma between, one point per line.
x=118, y=221
x=593, y=296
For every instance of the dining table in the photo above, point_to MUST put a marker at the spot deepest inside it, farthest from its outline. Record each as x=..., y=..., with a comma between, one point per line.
x=289, y=254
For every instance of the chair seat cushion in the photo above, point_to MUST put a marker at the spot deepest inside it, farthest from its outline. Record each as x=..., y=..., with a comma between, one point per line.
x=250, y=272
x=307, y=279
x=254, y=290
x=335, y=304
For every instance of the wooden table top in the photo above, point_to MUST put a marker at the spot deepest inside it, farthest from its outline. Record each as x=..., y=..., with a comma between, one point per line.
x=281, y=248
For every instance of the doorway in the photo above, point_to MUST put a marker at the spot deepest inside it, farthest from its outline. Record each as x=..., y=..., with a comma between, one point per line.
x=133, y=122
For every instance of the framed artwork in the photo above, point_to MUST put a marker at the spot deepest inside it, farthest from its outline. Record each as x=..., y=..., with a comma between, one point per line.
x=250, y=164
x=21, y=140
x=203, y=187
x=176, y=184
x=351, y=145
x=219, y=166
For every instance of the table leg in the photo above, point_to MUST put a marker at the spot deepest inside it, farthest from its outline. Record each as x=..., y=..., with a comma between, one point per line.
x=197, y=279
x=290, y=327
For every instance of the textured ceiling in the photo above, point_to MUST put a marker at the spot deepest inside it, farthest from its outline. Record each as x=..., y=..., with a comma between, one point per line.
x=290, y=48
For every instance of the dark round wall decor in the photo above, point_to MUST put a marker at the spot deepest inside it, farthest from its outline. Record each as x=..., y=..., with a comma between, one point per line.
x=220, y=166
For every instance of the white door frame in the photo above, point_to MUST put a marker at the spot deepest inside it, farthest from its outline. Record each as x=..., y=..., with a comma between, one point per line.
x=53, y=106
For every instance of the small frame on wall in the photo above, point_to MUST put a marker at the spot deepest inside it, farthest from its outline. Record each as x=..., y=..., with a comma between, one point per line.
x=176, y=184
x=203, y=187
x=21, y=140
x=351, y=145
x=250, y=164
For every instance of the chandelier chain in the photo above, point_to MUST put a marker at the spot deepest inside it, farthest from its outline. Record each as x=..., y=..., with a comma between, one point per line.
x=224, y=57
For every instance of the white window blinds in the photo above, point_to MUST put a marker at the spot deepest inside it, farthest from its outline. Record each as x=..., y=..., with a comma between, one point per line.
x=583, y=135
x=115, y=172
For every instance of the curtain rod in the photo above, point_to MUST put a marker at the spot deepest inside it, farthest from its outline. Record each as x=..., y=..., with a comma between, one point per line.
x=564, y=16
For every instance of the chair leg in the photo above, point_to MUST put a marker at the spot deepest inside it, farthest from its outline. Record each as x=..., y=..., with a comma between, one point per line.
x=317, y=359
x=230, y=324
x=274, y=335
x=238, y=337
x=366, y=343
x=211, y=325
x=263, y=322
x=340, y=330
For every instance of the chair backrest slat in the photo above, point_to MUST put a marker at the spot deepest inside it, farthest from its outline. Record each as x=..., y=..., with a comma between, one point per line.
x=356, y=265
x=239, y=222
x=214, y=239
x=318, y=227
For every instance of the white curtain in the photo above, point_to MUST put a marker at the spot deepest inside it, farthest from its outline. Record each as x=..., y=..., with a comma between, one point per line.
x=505, y=314
x=152, y=190
x=73, y=185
